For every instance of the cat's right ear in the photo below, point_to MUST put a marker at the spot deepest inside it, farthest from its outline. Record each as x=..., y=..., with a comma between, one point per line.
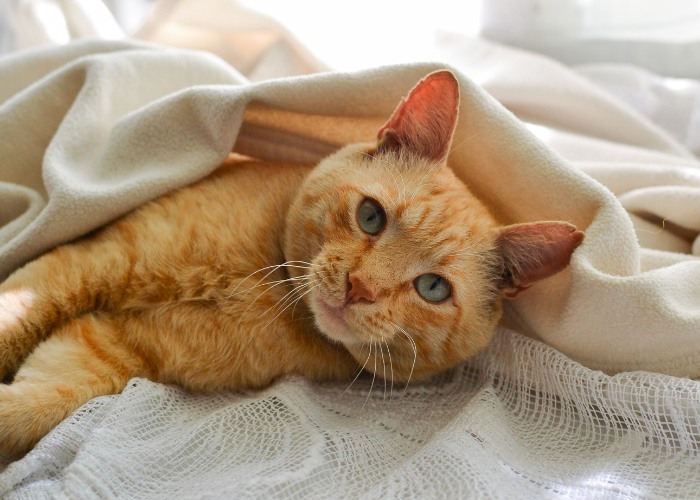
x=424, y=122
x=533, y=251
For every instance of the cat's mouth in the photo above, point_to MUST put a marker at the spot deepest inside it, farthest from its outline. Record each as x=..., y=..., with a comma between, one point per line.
x=331, y=320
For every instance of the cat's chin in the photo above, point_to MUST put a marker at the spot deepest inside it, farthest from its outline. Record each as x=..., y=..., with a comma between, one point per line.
x=331, y=321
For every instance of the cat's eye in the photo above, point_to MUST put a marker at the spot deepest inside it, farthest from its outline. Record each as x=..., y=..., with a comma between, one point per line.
x=371, y=217
x=432, y=287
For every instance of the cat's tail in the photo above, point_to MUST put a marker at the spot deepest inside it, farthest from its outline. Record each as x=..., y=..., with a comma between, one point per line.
x=83, y=359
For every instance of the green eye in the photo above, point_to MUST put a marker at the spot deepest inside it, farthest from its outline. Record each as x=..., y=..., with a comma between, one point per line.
x=371, y=217
x=432, y=287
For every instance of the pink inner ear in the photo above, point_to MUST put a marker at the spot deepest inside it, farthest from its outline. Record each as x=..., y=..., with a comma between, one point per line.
x=534, y=251
x=424, y=122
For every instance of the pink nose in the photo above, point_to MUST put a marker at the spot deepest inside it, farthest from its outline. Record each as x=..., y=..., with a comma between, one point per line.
x=358, y=291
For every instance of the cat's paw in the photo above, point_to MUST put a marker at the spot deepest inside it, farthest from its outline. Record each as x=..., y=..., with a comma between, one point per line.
x=15, y=435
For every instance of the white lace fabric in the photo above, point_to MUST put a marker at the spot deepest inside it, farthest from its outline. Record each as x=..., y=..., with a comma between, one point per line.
x=520, y=421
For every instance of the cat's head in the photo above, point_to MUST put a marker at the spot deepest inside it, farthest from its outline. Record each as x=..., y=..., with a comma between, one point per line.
x=407, y=268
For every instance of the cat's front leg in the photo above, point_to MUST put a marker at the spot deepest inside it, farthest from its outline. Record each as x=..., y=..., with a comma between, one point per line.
x=15, y=308
x=60, y=285
x=83, y=359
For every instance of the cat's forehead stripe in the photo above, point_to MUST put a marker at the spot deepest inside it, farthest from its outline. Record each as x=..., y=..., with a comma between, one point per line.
x=324, y=193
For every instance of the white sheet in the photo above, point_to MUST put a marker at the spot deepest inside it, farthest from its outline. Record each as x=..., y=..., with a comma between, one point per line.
x=522, y=415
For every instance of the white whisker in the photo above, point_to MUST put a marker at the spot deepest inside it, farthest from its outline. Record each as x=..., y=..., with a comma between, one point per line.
x=374, y=376
x=276, y=282
x=290, y=304
x=415, y=354
x=256, y=299
x=299, y=264
x=287, y=296
x=391, y=369
x=273, y=268
x=361, y=369
x=381, y=350
x=299, y=319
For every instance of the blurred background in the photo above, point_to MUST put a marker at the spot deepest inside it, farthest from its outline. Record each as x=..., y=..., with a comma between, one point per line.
x=660, y=35
x=644, y=53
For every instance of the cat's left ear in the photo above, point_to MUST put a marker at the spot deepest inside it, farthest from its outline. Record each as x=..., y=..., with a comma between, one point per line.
x=424, y=122
x=534, y=251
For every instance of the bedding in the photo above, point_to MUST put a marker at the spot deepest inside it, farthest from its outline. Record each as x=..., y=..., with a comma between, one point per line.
x=93, y=129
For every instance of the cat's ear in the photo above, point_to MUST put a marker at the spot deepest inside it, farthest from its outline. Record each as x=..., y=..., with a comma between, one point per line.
x=424, y=122
x=534, y=251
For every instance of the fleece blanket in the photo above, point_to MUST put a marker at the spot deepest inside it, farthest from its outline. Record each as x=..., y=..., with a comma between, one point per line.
x=92, y=130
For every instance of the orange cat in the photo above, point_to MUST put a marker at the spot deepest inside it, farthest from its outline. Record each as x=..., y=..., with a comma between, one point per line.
x=379, y=258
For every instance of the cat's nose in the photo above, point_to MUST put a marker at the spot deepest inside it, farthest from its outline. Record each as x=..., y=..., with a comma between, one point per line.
x=358, y=291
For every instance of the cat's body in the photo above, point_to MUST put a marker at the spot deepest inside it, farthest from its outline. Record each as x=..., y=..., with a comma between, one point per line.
x=170, y=293
x=177, y=279
x=377, y=259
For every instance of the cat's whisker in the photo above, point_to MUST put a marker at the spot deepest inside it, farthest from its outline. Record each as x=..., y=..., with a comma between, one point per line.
x=369, y=354
x=253, y=303
x=276, y=282
x=415, y=354
x=273, y=268
x=301, y=264
x=374, y=376
x=391, y=369
x=256, y=299
x=408, y=336
x=291, y=297
x=296, y=302
x=287, y=296
x=381, y=350
x=271, y=285
x=299, y=319
x=290, y=304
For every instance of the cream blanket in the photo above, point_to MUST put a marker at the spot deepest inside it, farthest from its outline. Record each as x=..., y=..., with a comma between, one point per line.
x=92, y=130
